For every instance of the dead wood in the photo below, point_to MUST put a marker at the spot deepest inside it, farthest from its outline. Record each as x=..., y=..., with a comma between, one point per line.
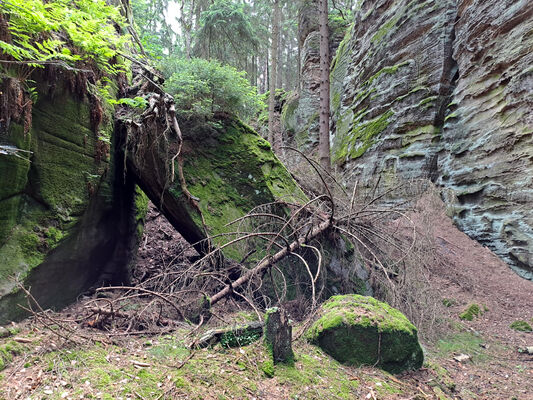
x=297, y=244
x=212, y=337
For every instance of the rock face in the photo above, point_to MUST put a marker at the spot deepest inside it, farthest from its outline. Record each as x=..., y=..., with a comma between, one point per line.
x=441, y=90
x=65, y=220
x=487, y=155
x=360, y=330
x=228, y=170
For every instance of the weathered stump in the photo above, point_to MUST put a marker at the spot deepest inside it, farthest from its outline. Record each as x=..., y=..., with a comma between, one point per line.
x=278, y=336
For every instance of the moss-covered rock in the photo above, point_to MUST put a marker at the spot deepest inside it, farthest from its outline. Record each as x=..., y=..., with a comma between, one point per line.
x=66, y=212
x=359, y=330
x=228, y=170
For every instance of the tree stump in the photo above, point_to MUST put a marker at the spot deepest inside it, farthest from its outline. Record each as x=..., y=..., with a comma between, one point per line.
x=278, y=336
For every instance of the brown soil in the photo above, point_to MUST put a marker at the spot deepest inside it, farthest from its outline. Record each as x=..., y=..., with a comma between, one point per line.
x=468, y=273
x=471, y=274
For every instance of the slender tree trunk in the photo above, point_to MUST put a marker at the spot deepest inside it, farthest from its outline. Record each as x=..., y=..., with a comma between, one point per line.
x=323, y=146
x=299, y=73
x=281, y=47
x=273, y=128
x=186, y=20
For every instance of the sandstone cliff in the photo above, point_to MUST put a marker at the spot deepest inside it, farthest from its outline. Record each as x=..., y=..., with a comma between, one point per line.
x=442, y=90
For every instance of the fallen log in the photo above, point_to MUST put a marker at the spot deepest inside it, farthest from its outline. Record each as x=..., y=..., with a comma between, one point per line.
x=322, y=227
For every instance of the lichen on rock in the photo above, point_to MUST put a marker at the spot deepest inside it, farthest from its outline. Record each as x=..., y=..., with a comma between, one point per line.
x=359, y=330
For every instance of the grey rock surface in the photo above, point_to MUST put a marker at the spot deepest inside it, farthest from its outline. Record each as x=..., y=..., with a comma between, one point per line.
x=442, y=90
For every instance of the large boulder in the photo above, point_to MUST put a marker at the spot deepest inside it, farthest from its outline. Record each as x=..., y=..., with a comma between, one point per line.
x=228, y=169
x=359, y=330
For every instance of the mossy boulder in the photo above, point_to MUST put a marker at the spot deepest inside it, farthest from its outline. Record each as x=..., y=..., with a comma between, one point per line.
x=359, y=330
x=228, y=170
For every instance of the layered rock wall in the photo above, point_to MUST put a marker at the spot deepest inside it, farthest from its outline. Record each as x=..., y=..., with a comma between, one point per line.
x=487, y=142
x=442, y=90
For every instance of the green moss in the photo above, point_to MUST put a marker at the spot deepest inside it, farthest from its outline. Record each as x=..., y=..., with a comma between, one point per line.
x=7, y=351
x=67, y=172
x=356, y=330
x=462, y=342
x=268, y=368
x=169, y=347
x=454, y=114
x=521, y=326
x=390, y=70
x=53, y=236
x=471, y=312
x=448, y=302
x=230, y=339
x=289, y=109
x=443, y=376
x=14, y=173
x=412, y=91
x=361, y=138
x=427, y=102
x=141, y=209
x=385, y=28
x=232, y=172
x=336, y=101
x=356, y=135
x=422, y=133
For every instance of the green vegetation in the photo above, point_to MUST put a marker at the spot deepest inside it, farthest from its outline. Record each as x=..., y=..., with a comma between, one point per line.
x=141, y=209
x=471, y=312
x=231, y=339
x=202, y=88
x=360, y=330
x=226, y=33
x=385, y=29
x=268, y=368
x=7, y=351
x=462, y=342
x=390, y=70
x=232, y=173
x=448, y=302
x=362, y=137
x=521, y=326
x=88, y=24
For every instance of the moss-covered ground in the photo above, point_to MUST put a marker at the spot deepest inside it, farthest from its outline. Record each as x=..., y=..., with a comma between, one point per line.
x=38, y=364
x=163, y=367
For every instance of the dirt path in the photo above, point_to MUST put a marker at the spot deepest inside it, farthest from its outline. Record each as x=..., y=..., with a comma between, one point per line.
x=472, y=274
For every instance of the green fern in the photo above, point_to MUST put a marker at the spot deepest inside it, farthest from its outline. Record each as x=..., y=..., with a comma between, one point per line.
x=64, y=31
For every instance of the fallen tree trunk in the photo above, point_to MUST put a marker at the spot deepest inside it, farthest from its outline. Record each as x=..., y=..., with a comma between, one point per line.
x=272, y=260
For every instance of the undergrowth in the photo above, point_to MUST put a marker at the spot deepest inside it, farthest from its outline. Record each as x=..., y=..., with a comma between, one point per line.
x=63, y=31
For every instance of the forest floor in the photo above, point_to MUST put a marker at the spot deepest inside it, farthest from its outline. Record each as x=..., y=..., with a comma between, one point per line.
x=114, y=366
